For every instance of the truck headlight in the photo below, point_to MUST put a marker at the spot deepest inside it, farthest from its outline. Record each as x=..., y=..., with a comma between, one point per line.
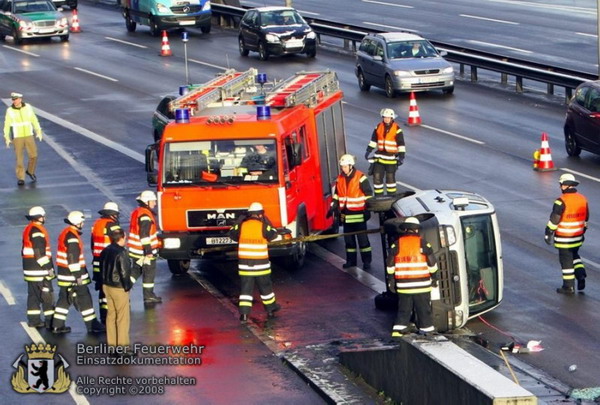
x=162, y=8
x=171, y=243
x=451, y=235
x=272, y=38
x=206, y=6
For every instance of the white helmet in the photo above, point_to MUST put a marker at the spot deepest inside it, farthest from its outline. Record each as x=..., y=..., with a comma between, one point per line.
x=568, y=179
x=111, y=206
x=388, y=112
x=37, y=211
x=256, y=207
x=347, y=160
x=412, y=220
x=75, y=218
x=146, y=196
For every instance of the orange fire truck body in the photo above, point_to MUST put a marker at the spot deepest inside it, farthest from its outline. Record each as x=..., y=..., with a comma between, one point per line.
x=276, y=146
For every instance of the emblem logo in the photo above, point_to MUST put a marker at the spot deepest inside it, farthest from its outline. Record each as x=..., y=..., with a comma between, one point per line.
x=186, y=9
x=44, y=371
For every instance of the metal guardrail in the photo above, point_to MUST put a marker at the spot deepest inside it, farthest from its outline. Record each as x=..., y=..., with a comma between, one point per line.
x=474, y=59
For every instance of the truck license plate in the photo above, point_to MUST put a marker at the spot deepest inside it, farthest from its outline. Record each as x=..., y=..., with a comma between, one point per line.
x=220, y=241
x=187, y=22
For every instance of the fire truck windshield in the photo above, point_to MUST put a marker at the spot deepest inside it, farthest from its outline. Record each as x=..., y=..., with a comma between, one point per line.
x=482, y=262
x=223, y=162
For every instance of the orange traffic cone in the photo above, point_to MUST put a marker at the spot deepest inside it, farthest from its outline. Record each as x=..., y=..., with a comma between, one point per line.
x=545, y=163
x=413, y=112
x=165, y=49
x=75, y=22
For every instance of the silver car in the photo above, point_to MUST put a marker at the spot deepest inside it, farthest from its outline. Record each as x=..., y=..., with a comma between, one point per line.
x=402, y=62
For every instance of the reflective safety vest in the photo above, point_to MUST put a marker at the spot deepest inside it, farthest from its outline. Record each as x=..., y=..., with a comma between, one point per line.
x=349, y=193
x=411, y=271
x=571, y=227
x=252, y=245
x=68, y=273
x=21, y=122
x=136, y=242
x=386, y=141
x=35, y=269
x=100, y=239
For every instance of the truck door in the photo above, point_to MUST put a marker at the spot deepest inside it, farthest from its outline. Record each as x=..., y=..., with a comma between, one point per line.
x=292, y=175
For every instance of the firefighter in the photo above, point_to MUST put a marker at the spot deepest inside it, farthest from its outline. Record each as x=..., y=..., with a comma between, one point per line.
x=21, y=122
x=38, y=269
x=253, y=232
x=143, y=245
x=388, y=142
x=566, y=228
x=73, y=278
x=350, y=194
x=102, y=228
x=411, y=272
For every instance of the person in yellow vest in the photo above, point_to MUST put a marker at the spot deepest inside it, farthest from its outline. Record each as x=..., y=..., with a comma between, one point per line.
x=350, y=194
x=143, y=245
x=411, y=272
x=38, y=269
x=253, y=232
x=566, y=228
x=20, y=124
x=388, y=142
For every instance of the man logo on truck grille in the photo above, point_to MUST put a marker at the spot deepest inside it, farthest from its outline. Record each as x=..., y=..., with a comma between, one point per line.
x=219, y=217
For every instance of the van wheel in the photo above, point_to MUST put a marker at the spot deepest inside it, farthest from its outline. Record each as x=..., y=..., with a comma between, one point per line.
x=179, y=267
x=263, y=54
x=389, y=87
x=154, y=29
x=573, y=149
x=296, y=260
x=129, y=23
x=206, y=29
x=243, y=50
x=362, y=82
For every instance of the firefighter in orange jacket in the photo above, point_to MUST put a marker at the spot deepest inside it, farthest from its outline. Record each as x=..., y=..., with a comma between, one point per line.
x=102, y=228
x=73, y=278
x=412, y=271
x=388, y=142
x=350, y=194
x=38, y=269
x=253, y=233
x=143, y=245
x=566, y=228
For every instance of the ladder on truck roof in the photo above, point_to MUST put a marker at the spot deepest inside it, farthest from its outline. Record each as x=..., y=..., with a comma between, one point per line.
x=303, y=88
x=227, y=85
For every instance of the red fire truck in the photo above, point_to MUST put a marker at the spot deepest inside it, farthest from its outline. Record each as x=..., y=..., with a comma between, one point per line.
x=239, y=139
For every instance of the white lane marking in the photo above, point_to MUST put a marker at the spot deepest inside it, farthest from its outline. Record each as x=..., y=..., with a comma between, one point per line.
x=89, y=72
x=126, y=42
x=488, y=19
x=500, y=46
x=566, y=169
x=548, y=6
x=454, y=135
x=22, y=51
x=388, y=26
x=207, y=64
x=5, y=291
x=587, y=35
x=36, y=338
x=383, y=3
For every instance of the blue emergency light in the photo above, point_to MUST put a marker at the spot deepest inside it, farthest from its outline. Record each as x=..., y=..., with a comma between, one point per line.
x=182, y=115
x=263, y=112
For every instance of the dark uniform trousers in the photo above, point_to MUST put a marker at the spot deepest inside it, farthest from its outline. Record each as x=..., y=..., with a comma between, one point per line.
x=40, y=293
x=572, y=266
x=118, y=316
x=79, y=296
x=422, y=305
x=265, y=288
x=148, y=273
x=363, y=242
x=388, y=171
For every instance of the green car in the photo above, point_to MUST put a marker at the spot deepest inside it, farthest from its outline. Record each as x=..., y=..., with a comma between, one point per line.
x=24, y=19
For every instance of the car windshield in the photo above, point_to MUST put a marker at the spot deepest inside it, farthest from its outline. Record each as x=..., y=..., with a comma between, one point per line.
x=280, y=17
x=411, y=49
x=33, y=6
x=223, y=162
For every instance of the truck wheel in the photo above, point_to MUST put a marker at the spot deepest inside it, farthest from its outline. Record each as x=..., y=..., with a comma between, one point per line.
x=178, y=267
x=129, y=23
x=296, y=260
x=206, y=29
x=154, y=28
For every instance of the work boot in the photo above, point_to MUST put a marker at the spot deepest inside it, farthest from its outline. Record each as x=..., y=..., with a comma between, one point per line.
x=348, y=265
x=276, y=307
x=96, y=327
x=581, y=284
x=152, y=299
x=21, y=182
x=31, y=176
x=244, y=318
x=48, y=324
x=62, y=329
x=36, y=324
x=566, y=290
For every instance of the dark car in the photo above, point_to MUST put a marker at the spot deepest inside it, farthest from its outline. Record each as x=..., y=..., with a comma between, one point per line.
x=582, y=123
x=276, y=31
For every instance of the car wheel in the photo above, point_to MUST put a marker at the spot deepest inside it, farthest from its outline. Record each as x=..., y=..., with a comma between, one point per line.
x=206, y=29
x=64, y=38
x=129, y=23
x=389, y=87
x=243, y=50
x=154, y=29
x=178, y=267
x=2, y=36
x=263, y=54
x=449, y=90
x=16, y=38
x=312, y=53
x=571, y=145
x=362, y=82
